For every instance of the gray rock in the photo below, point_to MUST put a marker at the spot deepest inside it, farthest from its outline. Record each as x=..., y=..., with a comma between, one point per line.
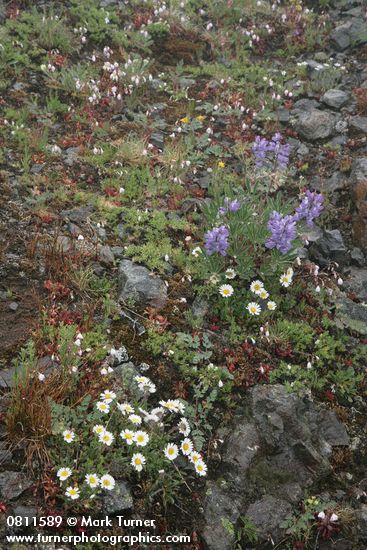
x=37, y=168
x=138, y=283
x=74, y=229
x=332, y=430
x=351, y=315
x=77, y=215
x=13, y=306
x=118, y=251
x=315, y=124
x=357, y=257
x=280, y=446
x=335, y=98
x=304, y=105
x=283, y=114
x=267, y=514
x=71, y=155
x=242, y=447
x=157, y=139
x=351, y=33
x=333, y=185
x=340, y=37
x=65, y=244
x=7, y=377
x=118, y=500
x=357, y=283
x=13, y=484
x=221, y=508
x=330, y=248
x=26, y=513
x=105, y=255
x=200, y=306
x=358, y=124
x=361, y=520
x=358, y=180
x=6, y=456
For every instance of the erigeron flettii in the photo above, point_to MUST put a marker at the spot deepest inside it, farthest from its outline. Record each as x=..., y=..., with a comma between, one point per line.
x=140, y=430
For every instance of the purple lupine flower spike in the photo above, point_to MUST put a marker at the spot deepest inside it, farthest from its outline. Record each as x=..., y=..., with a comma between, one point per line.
x=283, y=232
x=229, y=206
x=271, y=154
x=310, y=207
x=216, y=240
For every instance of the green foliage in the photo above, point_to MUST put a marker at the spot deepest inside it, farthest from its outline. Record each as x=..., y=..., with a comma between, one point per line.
x=99, y=22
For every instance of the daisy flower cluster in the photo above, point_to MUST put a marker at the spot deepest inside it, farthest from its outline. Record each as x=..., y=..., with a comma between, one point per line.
x=258, y=289
x=131, y=429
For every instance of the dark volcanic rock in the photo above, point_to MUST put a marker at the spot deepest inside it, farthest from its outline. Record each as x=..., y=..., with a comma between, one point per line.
x=330, y=248
x=280, y=446
x=267, y=514
x=13, y=484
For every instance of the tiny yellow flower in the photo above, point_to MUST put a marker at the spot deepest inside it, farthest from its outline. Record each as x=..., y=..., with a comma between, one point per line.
x=221, y=164
x=184, y=120
x=200, y=118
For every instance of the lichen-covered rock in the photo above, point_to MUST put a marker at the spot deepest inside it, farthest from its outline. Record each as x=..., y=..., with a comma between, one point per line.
x=315, y=124
x=118, y=500
x=138, y=283
x=335, y=98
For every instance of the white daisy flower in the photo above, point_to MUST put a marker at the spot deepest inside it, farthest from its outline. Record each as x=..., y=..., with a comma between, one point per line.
x=201, y=468
x=72, y=492
x=271, y=306
x=285, y=280
x=128, y=436
x=187, y=446
x=145, y=384
x=171, y=451
x=64, y=473
x=172, y=405
x=135, y=419
x=226, y=291
x=264, y=294
x=68, y=436
x=98, y=429
x=125, y=408
x=107, y=482
x=108, y=396
x=256, y=286
x=184, y=427
x=106, y=438
x=230, y=273
x=194, y=457
x=138, y=461
x=253, y=308
x=92, y=480
x=141, y=438
x=103, y=407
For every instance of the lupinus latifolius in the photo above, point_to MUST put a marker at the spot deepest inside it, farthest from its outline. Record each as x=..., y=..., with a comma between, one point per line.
x=249, y=228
